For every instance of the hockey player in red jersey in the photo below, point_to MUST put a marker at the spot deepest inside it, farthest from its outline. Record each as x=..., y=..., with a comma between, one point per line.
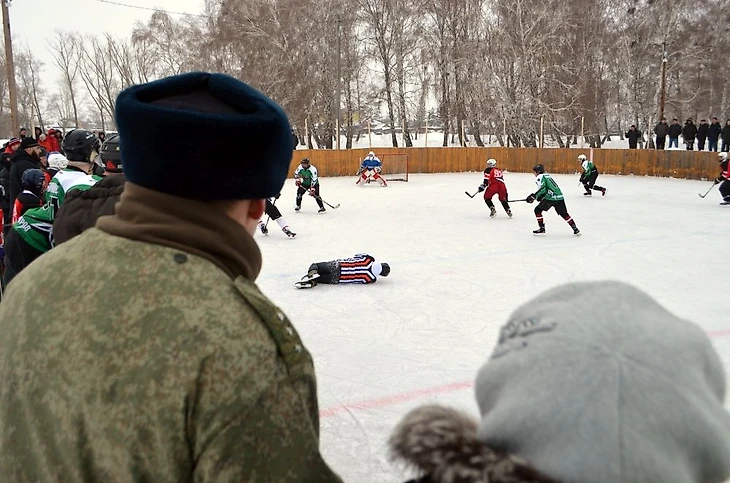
x=494, y=185
x=360, y=269
x=34, y=186
x=724, y=178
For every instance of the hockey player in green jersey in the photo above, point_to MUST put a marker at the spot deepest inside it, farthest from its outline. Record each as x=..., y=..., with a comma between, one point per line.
x=589, y=176
x=307, y=181
x=548, y=194
x=32, y=235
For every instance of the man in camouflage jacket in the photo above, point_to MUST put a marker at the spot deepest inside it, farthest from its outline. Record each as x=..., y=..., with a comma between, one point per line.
x=158, y=359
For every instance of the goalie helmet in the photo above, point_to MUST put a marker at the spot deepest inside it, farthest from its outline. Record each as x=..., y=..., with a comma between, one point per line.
x=491, y=163
x=371, y=154
x=722, y=156
x=538, y=168
x=582, y=157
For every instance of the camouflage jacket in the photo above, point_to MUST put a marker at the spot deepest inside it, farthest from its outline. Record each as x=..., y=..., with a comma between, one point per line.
x=152, y=364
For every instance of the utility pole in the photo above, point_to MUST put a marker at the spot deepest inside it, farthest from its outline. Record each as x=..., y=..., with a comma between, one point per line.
x=663, y=88
x=338, y=101
x=10, y=70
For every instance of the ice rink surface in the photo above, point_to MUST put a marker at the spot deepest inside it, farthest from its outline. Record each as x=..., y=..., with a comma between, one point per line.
x=420, y=335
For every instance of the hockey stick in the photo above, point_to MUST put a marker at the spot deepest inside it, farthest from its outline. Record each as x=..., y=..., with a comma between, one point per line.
x=323, y=201
x=708, y=191
x=470, y=196
x=269, y=216
x=514, y=201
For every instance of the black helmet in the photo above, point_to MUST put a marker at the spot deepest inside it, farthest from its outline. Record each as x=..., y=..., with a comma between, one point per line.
x=386, y=269
x=33, y=180
x=79, y=144
x=305, y=160
x=110, y=155
x=538, y=168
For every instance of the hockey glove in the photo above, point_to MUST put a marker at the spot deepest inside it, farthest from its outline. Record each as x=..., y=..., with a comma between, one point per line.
x=298, y=182
x=530, y=198
x=312, y=192
x=481, y=188
x=719, y=179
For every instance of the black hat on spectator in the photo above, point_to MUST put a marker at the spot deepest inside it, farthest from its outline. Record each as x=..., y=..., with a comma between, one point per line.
x=177, y=136
x=28, y=142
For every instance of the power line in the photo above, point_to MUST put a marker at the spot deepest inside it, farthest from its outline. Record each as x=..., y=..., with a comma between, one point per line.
x=153, y=9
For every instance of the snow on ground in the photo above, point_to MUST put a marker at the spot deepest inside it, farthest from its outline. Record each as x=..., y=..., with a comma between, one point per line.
x=421, y=334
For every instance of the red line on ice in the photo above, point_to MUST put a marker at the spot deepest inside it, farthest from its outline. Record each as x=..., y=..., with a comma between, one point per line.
x=430, y=391
x=396, y=398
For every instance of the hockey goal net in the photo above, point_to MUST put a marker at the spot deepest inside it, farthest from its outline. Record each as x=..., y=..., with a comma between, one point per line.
x=395, y=167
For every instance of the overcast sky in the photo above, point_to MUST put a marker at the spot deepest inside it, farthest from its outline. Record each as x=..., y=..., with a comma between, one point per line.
x=32, y=22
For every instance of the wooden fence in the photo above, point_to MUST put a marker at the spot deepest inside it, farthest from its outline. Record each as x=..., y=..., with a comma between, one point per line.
x=640, y=162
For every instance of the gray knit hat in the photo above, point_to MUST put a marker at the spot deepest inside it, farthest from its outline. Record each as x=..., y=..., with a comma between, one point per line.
x=595, y=382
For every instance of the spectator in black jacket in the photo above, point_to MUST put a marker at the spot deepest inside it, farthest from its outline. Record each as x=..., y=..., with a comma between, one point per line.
x=674, y=131
x=28, y=156
x=713, y=134
x=23, y=133
x=703, y=130
x=633, y=135
x=689, y=133
x=725, y=134
x=8, y=150
x=661, y=130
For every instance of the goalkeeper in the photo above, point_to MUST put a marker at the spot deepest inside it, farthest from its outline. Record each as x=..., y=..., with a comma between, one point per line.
x=370, y=169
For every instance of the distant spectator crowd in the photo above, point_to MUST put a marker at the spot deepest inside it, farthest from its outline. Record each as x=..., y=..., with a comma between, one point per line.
x=704, y=134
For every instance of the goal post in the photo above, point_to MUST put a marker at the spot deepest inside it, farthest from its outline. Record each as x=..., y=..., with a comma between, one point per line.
x=395, y=167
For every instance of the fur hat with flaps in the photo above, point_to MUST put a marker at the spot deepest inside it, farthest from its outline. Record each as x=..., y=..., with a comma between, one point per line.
x=624, y=391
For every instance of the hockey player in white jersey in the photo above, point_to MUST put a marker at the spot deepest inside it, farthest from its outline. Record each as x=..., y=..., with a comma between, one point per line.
x=273, y=212
x=360, y=269
x=370, y=169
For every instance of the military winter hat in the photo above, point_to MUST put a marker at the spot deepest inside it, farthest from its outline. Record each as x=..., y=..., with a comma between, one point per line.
x=179, y=135
x=596, y=382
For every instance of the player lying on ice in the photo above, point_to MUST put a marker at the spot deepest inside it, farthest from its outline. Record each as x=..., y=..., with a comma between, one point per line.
x=370, y=169
x=362, y=268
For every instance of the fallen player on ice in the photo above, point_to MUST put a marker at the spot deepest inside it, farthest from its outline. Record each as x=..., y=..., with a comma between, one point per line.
x=362, y=268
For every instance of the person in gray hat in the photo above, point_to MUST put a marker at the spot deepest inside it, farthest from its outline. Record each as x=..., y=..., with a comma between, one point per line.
x=160, y=359
x=628, y=393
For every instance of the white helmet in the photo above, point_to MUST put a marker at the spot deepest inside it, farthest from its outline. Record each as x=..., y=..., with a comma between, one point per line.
x=582, y=157
x=722, y=156
x=57, y=160
x=491, y=163
x=371, y=154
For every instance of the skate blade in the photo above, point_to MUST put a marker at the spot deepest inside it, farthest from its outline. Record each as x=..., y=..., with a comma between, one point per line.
x=304, y=284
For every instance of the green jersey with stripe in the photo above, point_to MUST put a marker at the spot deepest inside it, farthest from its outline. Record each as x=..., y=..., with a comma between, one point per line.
x=547, y=188
x=588, y=167
x=307, y=175
x=64, y=181
x=35, y=227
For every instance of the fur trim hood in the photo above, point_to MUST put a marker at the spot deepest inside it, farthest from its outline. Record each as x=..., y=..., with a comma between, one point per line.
x=441, y=443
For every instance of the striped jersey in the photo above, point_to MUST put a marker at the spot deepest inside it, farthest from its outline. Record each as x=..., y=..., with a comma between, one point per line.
x=547, y=188
x=362, y=268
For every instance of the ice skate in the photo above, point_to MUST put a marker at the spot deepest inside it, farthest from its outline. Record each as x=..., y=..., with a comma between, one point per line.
x=539, y=231
x=321, y=210
x=509, y=213
x=297, y=208
x=264, y=230
x=492, y=213
x=308, y=281
x=288, y=232
x=576, y=231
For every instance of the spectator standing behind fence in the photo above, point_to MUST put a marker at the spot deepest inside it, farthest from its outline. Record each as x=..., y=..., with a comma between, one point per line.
x=674, y=131
x=725, y=134
x=689, y=133
x=633, y=135
x=713, y=134
x=703, y=130
x=661, y=130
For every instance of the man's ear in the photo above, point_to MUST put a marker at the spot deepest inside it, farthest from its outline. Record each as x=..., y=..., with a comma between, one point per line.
x=256, y=209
